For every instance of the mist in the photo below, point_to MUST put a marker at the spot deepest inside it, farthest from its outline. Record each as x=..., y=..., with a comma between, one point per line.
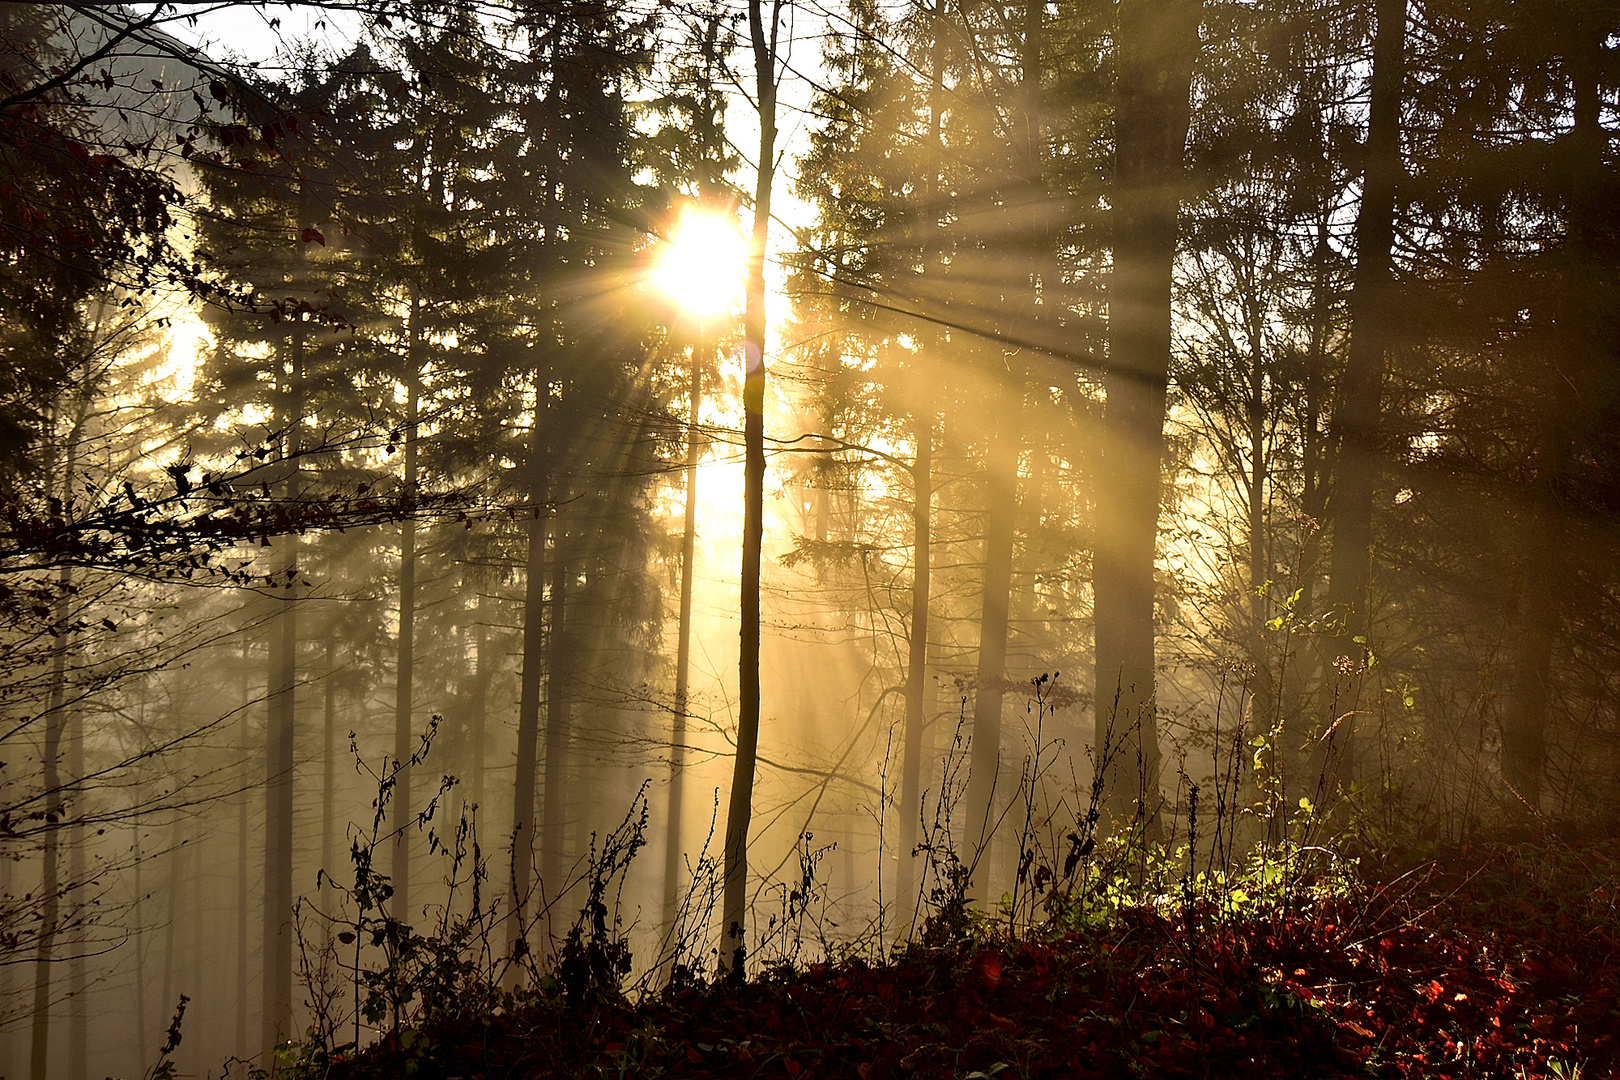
x=1184, y=441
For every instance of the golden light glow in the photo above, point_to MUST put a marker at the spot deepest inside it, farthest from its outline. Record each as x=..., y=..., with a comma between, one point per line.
x=704, y=263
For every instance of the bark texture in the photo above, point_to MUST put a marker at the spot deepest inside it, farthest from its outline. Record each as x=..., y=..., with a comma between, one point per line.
x=1356, y=422
x=1156, y=46
x=734, y=887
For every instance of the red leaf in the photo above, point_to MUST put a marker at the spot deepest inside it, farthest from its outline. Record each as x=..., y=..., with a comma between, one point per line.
x=1433, y=990
x=313, y=234
x=990, y=968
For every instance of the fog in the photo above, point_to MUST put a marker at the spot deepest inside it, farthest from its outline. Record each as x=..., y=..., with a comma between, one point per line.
x=1205, y=472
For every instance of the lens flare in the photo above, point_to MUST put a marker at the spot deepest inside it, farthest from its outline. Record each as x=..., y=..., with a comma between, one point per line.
x=703, y=264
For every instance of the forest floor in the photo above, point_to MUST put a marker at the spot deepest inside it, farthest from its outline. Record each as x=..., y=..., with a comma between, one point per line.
x=1499, y=961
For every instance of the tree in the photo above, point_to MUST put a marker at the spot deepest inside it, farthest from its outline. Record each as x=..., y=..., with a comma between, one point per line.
x=581, y=347
x=763, y=41
x=1154, y=55
x=691, y=151
x=1356, y=422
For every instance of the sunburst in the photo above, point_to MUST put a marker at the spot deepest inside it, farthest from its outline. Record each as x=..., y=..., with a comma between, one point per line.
x=703, y=264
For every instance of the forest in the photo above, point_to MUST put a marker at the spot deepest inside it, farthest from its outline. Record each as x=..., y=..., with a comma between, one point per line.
x=810, y=538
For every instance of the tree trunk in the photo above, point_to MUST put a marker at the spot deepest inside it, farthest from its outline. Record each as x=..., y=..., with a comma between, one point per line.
x=553, y=807
x=480, y=704
x=78, y=977
x=529, y=691
x=683, y=645
x=1524, y=740
x=1156, y=46
x=922, y=467
x=50, y=886
x=907, y=887
x=1001, y=505
x=56, y=724
x=177, y=868
x=277, y=1019
x=403, y=684
x=1356, y=423
x=329, y=765
x=278, y=809
x=1262, y=689
x=1001, y=467
x=243, y=885
x=734, y=902
x=8, y=985
x=1301, y=658
x=140, y=1030
x=56, y=720
x=1548, y=576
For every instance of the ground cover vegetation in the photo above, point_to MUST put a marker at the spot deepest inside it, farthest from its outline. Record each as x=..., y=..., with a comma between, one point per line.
x=1501, y=969
x=1168, y=449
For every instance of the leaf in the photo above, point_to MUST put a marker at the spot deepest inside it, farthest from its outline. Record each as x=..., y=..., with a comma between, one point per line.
x=313, y=235
x=990, y=968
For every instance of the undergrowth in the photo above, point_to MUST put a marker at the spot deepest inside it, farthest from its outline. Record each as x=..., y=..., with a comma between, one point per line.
x=1226, y=932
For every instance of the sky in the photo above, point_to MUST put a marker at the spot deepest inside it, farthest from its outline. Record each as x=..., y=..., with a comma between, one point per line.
x=255, y=33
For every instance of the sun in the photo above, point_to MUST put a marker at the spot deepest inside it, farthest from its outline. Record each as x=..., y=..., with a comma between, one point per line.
x=703, y=264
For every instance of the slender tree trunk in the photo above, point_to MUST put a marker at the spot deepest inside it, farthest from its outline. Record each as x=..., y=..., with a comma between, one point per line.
x=907, y=888
x=683, y=644
x=1356, y=422
x=137, y=907
x=277, y=1019
x=480, y=705
x=1262, y=690
x=50, y=886
x=8, y=985
x=529, y=692
x=55, y=727
x=734, y=902
x=177, y=870
x=56, y=721
x=278, y=808
x=1156, y=46
x=329, y=765
x=1001, y=506
x=78, y=979
x=1524, y=740
x=403, y=684
x=1301, y=659
x=243, y=885
x=140, y=1029
x=528, y=740
x=922, y=467
x=553, y=806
